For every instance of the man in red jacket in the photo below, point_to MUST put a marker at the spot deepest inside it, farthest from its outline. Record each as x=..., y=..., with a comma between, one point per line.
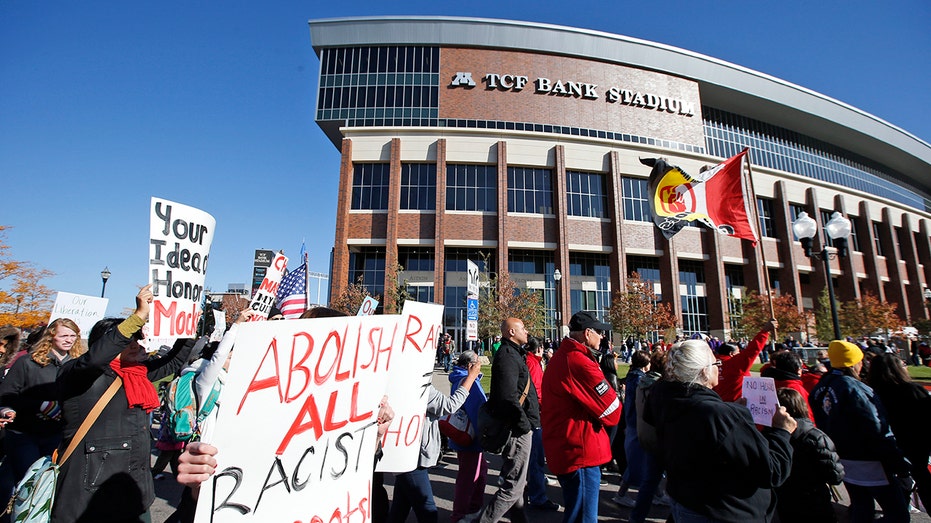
x=579, y=403
x=735, y=367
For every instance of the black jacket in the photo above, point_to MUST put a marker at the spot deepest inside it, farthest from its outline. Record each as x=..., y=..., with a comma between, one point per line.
x=29, y=389
x=717, y=463
x=805, y=496
x=509, y=376
x=107, y=478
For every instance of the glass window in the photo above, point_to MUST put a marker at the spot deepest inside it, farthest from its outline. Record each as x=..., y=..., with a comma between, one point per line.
x=367, y=265
x=694, y=302
x=586, y=194
x=647, y=267
x=530, y=190
x=370, y=186
x=765, y=210
x=591, y=268
x=636, y=200
x=418, y=186
x=471, y=188
x=416, y=258
x=877, y=243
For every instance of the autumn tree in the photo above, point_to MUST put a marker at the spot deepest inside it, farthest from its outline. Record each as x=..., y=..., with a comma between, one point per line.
x=757, y=312
x=867, y=315
x=636, y=311
x=396, y=292
x=824, y=323
x=24, y=300
x=351, y=297
x=500, y=298
x=232, y=305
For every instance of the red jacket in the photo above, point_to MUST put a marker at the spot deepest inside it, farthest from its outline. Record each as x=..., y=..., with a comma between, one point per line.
x=535, y=365
x=579, y=403
x=735, y=368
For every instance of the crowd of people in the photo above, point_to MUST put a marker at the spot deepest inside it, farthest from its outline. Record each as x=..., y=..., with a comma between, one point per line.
x=675, y=427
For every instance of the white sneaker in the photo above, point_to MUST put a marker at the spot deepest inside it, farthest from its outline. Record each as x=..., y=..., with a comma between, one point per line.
x=624, y=501
x=662, y=500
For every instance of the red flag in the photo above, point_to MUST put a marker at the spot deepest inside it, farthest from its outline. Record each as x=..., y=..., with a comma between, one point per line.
x=716, y=197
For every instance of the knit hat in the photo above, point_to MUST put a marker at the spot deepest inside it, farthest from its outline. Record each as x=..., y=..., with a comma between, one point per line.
x=844, y=354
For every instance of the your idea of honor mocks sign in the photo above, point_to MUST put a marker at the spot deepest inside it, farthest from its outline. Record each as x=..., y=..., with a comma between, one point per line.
x=179, y=246
x=297, y=426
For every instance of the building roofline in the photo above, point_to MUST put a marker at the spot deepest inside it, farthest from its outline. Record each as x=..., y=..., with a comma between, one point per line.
x=722, y=84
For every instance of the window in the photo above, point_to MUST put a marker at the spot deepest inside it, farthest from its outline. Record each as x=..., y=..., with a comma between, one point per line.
x=765, y=209
x=637, y=200
x=877, y=242
x=370, y=186
x=421, y=293
x=457, y=260
x=648, y=268
x=367, y=265
x=416, y=259
x=471, y=188
x=530, y=190
x=694, y=302
x=586, y=194
x=418, y=186
x=591, y=275
x=734, y=282
x=853, y=241
x=794, y=210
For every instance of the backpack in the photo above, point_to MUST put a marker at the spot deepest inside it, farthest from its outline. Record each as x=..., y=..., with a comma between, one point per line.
x=33, y=497
x=185, y=410
x=458, y=428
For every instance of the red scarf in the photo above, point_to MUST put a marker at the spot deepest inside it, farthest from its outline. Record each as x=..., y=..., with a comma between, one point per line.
x=139, y=390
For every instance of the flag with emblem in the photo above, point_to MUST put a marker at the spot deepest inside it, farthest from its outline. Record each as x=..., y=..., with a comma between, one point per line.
x=716, y=197
x=292, y=297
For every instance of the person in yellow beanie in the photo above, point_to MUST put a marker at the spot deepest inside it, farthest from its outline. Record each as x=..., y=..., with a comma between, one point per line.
x=852, y=415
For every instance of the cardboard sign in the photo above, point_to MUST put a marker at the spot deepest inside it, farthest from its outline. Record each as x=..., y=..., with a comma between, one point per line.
x=179, y=246
x=761, y=399
x=297, y=424
x=409, y=387
x=264, y=298
x=369, y=304
x=81, y=309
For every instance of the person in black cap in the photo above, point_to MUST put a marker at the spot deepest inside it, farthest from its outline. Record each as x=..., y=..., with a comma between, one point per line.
x=579, y=404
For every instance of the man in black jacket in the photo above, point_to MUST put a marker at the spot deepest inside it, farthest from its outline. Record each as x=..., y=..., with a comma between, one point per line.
x=513, y=399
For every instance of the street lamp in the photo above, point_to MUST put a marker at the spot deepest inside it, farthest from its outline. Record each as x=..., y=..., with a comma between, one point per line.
x=837, y=229
x=104, y=275
x=556, y=277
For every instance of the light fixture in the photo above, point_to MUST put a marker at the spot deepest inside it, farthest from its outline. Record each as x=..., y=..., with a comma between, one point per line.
x=104, y=275
x=557, y=275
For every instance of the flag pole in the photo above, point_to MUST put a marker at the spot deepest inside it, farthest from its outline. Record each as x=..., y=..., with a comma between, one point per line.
x=306, y=282
x=748, y=180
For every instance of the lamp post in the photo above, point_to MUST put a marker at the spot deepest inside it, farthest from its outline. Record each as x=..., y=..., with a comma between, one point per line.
x=557, y=276
x=104, y=275
x=838, y=229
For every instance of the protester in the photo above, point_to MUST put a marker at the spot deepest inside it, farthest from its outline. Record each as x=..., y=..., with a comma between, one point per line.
x=850, y=413
x=413, y=490
x=719, y=466
x=805, y=495
x=736, y=363
x=109, y=480
x=9, y=343
x=473, y=469
x=579, y=404
x=513, y=402
x=29, y=389
x=636, y=467
x=647, y=439
x=786, y=371
x=536, y=469
x=908, y=407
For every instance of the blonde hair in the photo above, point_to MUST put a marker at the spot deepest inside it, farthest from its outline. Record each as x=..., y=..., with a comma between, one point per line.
x=688, y=361
x=40, y=353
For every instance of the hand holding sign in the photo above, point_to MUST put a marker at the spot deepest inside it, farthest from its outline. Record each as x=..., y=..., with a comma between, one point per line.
x=143, y=300
x=782, y=420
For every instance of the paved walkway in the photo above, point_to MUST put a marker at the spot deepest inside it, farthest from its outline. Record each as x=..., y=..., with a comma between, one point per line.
x=443, y=477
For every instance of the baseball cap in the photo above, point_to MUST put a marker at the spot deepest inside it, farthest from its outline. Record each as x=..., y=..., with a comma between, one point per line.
x=585, y=320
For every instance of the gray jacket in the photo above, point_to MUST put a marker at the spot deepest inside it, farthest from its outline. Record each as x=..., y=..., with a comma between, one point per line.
x=438, y=405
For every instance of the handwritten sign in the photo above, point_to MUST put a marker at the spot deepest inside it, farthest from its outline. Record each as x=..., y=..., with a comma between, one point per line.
x=264, y=298
x=761, y=399
x=369, y=304
x=297, y=427
x=179, y=246
x=408, y=390
x=83, y=310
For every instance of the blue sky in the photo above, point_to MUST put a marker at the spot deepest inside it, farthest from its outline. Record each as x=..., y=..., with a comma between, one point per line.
x=105, y=104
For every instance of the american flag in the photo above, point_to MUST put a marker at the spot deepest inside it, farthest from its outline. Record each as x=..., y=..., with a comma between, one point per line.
x=291, y=298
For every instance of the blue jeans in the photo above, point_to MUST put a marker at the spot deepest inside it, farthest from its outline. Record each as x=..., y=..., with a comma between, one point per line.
x=536, y=471
x=413, y=490
x=890, y=497
x=580, y=491
x=652, y=475
x=22, y=450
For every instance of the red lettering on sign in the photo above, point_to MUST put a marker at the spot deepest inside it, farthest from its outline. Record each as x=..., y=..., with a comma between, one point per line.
x=309, y=409
x=299, y=366
x=264, y=383
x=411, y=432
x=333, y=342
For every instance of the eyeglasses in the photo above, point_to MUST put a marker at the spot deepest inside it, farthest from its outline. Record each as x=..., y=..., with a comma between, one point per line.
x=598, y=332
x=717, y=363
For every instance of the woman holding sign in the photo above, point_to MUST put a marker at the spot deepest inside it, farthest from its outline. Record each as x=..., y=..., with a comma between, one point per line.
x=719, y=467
x=107, y=478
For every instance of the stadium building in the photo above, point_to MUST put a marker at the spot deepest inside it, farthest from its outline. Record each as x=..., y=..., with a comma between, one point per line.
x=519, y=142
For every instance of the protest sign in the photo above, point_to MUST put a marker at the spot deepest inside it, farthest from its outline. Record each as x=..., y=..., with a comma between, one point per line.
x=83, y=310
x=219, y=325
x=297, y=427
x=264, y=298
x=179, y=246
x=369, y=304
x=761, y=399
x=409, y=387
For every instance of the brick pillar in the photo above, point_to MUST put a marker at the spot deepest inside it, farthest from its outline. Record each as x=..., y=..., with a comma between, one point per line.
x=562, y=236
x=439, y=258
x=502, y=207
x=391, y=236
x=339, y=279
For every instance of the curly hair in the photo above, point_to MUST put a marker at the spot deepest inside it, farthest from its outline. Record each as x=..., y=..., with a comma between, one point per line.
x=40, y=353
